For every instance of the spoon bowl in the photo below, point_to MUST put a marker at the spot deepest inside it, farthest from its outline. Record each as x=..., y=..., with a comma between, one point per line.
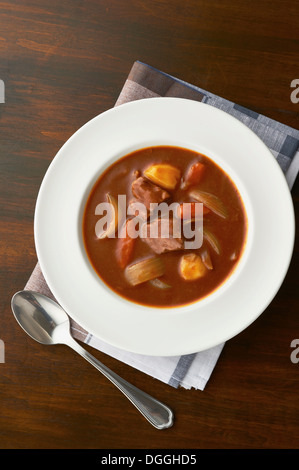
x=40, y=317
x=47, y=323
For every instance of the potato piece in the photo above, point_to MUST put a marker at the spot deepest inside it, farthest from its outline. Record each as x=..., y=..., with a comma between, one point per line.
x=164, y=175
x=191, y=267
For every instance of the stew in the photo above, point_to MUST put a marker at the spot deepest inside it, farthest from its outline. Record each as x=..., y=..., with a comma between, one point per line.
x=142, y=253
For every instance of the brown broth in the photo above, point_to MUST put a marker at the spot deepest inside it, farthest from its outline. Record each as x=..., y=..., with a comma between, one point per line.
x=230, y=232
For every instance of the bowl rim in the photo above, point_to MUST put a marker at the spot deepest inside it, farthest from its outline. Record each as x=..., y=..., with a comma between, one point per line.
x=117, y=117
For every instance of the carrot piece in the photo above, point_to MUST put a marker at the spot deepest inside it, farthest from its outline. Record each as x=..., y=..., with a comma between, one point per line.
x=194, y=174
x=125, y=247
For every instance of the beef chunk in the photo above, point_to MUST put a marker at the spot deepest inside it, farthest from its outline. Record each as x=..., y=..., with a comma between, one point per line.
x=161, y=236
x=141, y=212
x=147, y=192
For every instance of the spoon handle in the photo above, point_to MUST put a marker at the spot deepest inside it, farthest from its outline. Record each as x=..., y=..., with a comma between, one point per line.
x=158, y=414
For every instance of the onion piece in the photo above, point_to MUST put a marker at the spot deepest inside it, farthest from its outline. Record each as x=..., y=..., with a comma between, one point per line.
x=144, y=270
x=206, y=259
x=211, y=201
x=212, y=240
x=159, y=284
x=110, y=231
x=187, y=211
x=234, y=256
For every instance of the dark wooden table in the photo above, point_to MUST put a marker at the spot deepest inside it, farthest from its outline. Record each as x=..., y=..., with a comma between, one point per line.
x=63, y=62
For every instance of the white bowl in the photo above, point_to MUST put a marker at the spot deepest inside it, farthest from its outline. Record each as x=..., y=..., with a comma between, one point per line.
x=164, y=331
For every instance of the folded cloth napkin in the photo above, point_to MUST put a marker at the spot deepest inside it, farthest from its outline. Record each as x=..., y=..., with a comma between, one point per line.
x=191, y=370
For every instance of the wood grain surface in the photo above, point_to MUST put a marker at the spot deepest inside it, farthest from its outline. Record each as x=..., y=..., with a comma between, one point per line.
x=63, y=62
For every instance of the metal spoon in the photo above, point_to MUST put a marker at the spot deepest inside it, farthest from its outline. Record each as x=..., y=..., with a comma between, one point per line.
x=46, y=322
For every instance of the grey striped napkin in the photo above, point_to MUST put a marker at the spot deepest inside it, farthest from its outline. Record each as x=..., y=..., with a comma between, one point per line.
x=144, y=81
